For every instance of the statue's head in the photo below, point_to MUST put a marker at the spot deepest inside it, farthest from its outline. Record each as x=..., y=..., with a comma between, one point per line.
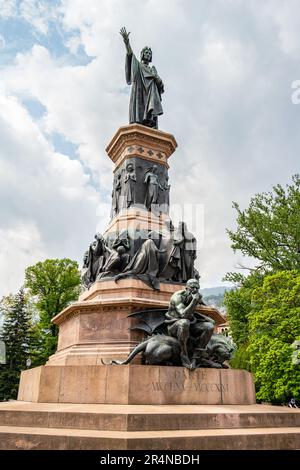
x=129, y=167
x=154, y=169
x=121, y=250
x=146, y=54
x=153, y=235
x=192, y=286
x=99, y=236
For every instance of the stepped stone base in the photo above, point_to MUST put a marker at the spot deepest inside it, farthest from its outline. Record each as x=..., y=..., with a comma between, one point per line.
x=136, y=384
x=40, y=426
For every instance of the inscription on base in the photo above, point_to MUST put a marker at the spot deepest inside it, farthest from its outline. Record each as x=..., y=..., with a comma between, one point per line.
x=183, y=380
x=179, y=387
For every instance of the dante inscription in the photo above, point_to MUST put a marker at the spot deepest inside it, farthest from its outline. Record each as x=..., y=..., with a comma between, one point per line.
x=179, y=387
x=185, y=374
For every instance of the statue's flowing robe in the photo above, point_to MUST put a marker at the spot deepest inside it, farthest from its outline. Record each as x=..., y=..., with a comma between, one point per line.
x=152, y=191
x=145, y=98
x=129, y=184
x=144, y=265
x=114, y=264
x=183, y=254
x=116, y=196
x=94, y=263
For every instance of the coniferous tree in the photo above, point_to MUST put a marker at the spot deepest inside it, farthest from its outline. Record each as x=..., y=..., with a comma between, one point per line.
x=16, y=333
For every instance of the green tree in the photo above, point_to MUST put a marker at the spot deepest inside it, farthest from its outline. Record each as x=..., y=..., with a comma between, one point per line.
x=54, y=283
x=269, y=229
x=274, y=323
x=238, y=306
x=16, y=333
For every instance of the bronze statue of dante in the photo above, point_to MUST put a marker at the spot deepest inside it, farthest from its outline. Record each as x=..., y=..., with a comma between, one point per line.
x=147, y=87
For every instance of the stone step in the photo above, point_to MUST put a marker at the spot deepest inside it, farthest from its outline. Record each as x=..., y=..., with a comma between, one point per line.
x=15, y=437
x=146, y=417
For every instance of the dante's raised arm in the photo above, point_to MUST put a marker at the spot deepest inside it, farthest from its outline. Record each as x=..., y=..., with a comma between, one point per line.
x=125, y=37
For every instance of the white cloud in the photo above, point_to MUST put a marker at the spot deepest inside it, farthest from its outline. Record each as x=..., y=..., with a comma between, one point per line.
x=76, y=102
x=287, y=21
x=46, y=198
x=8, y=8
x=21, y=246
x=35, y=13
x=227, y=67
x=38, y=13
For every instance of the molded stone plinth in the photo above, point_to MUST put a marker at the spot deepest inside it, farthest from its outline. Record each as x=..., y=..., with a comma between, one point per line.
x=136, y=384
x=140, y=141
x=97, y=326
x=138, y=219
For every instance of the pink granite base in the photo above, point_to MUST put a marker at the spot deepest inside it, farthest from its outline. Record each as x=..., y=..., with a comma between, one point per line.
x=98, y=326
x=136, y=384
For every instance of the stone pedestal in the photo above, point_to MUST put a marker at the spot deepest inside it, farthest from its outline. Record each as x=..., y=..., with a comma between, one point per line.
x=142, y=147
x=136, y=385
x=97, y=326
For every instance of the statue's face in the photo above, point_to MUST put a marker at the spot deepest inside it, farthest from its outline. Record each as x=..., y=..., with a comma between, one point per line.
x=192, y=286
x=146, y=55
x=98, y=236
x=129, y=167
x=154, y=169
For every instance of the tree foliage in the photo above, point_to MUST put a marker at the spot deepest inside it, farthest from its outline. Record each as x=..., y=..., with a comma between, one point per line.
x=17, y=335
x=269, y=229
x=54, y=283
x=238, y=305
x=263, y=310
x=264, y=317
x=274, y=323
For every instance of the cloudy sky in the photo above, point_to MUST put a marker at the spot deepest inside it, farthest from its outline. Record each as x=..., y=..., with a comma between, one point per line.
x=228, y=68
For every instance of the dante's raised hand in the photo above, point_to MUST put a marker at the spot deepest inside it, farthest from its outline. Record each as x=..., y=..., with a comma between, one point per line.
x=124, y=35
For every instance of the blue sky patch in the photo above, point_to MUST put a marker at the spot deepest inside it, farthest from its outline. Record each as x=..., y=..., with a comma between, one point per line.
x=35, y=108
x=62, y=145
x=20, y=36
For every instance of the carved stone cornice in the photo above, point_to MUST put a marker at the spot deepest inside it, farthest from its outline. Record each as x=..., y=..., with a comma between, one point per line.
x=140, y=141
x=130, y=299
x=136, y=218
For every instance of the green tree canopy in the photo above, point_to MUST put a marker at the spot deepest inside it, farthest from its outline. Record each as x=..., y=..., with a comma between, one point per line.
x=55, y=283
x=269, y=229
x=274, y=324
x=238, y=306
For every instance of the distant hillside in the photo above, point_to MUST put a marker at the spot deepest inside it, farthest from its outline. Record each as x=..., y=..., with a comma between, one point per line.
x=214, y=290
x=214, y=296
